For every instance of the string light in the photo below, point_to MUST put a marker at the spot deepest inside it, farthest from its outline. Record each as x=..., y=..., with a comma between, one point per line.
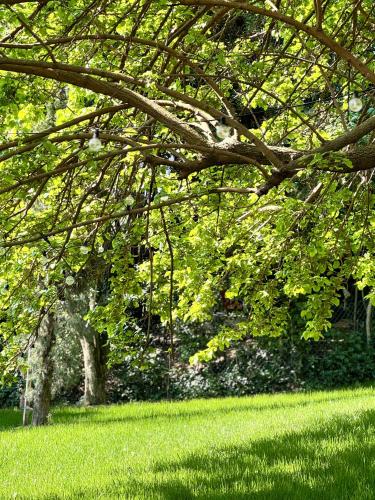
x=355, y=104
x=84, y=250
x=129, y=200
x=354, y=101
x=222, y=129
x=95, y=144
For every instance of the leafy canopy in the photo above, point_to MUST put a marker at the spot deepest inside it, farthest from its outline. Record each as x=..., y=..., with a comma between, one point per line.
x=278, y=208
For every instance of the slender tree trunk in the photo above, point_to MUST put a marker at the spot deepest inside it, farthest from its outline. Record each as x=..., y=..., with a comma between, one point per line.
x=25, y=408
x=355, y=308
x=43, y=383
x=368, y=323
x=94, y=364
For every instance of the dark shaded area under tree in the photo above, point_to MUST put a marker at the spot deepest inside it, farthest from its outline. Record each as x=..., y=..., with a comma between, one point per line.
x=257, y=365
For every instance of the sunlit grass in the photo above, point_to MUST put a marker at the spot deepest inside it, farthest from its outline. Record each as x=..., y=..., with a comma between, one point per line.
x=302, y=446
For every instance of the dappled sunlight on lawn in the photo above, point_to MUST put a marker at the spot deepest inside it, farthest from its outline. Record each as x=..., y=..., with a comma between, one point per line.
x=319, y=445
x=333, y=461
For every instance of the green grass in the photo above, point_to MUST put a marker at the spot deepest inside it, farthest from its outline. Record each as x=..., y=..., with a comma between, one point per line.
x=301, y=446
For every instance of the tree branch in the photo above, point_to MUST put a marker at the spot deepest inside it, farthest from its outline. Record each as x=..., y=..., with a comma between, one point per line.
x=319, y=35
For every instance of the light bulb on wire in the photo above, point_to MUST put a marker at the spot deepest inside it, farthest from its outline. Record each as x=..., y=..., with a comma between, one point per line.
x=84, y=250
x=95, y=144
x=355, y=104
x=70, y=280
x=222, y=129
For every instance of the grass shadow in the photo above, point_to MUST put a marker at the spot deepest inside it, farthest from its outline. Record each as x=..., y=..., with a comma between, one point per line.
x=67, y=416
x=10, y=419
x=335, y=461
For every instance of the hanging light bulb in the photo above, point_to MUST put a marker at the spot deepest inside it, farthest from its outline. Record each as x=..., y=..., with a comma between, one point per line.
x=84, y=250
x=355, y=104
x=129, y=200
x=222, y=129
x=70, y=280
x=95, y=144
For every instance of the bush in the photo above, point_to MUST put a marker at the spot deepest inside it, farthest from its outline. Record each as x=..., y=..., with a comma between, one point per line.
x=10, y=395
x=340, y=359
x=256, y=365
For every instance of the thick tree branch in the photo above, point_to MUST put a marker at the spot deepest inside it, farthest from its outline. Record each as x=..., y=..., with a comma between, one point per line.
x=70, y=74
x=350, y=137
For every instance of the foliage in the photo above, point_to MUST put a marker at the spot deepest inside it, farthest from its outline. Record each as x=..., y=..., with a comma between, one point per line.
x=341, y=360
x=282, y=209
x=259, y=365
x=256, y=365
x=10, y=395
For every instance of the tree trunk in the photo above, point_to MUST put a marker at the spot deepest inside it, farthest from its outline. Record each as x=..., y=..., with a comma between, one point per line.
x=94, y=364
x=355, y=308
x=79, y=301
x=43, y=383
x=368, y=323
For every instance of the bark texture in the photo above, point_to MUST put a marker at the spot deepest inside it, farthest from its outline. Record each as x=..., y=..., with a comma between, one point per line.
x=79, y=301
x=43, y=384
x=94, y=363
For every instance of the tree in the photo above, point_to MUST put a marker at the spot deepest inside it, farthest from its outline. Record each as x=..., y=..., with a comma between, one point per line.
x=249, y=151
x=79, y=300
x=43, y=380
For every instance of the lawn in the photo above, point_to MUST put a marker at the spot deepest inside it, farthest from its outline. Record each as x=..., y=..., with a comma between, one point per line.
x=301, y=446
